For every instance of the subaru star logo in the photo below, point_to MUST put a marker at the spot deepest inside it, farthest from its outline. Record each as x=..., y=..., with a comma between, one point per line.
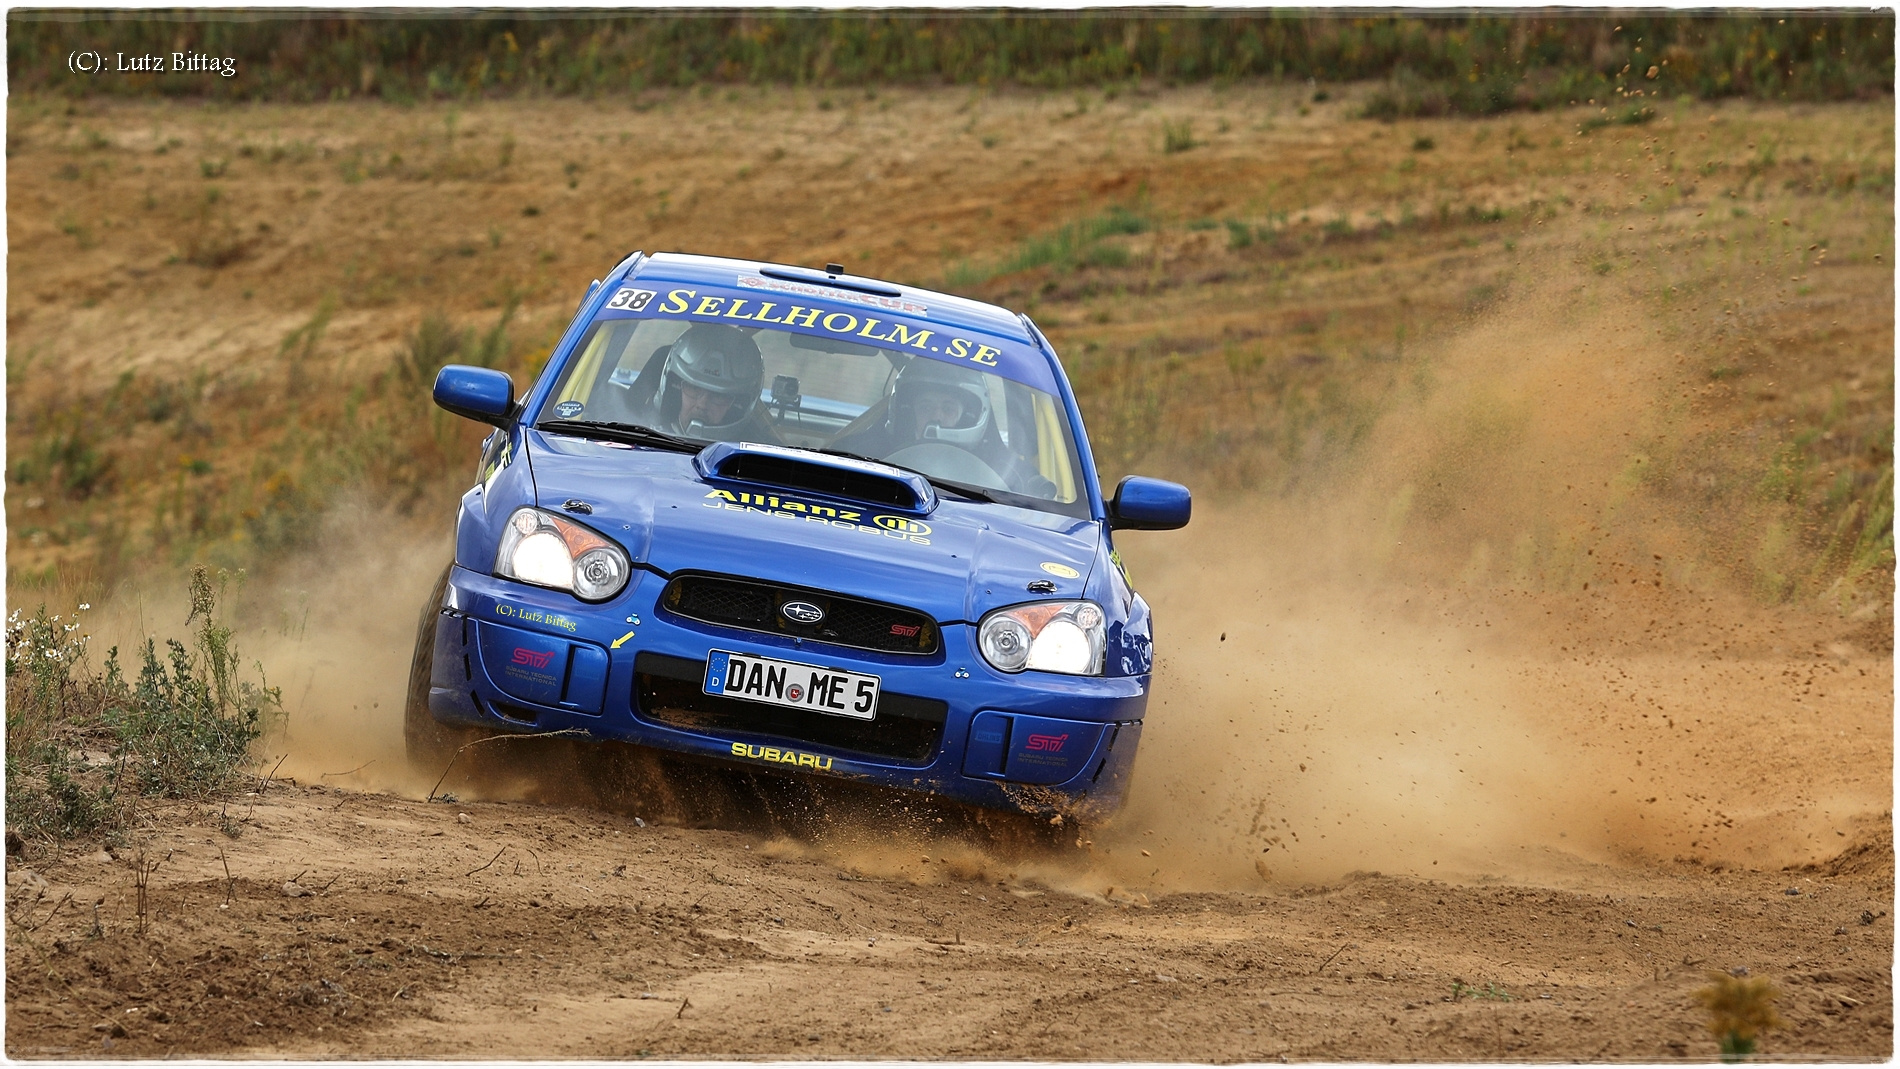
x=802, y=612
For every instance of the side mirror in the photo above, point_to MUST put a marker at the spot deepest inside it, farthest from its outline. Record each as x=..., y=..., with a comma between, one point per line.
x=479, y=393
x=1143, y=504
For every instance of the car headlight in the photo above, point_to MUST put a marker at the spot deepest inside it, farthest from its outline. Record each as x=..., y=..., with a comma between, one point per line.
x=548, y=550
x=1048, y=636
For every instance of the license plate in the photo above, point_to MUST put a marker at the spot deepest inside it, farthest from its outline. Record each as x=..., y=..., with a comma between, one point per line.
x=790, y=684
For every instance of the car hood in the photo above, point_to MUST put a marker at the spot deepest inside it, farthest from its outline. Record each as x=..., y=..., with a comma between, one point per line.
x=955, y=562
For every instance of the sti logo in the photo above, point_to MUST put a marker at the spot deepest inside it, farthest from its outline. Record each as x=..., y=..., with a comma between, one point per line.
x=906, y=630
x=540, y=659
x=1047, y=743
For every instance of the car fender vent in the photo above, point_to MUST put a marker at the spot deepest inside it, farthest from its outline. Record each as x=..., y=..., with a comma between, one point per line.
x=798, y=469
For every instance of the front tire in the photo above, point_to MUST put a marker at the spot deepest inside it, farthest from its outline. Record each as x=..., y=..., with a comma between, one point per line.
x=430, y=745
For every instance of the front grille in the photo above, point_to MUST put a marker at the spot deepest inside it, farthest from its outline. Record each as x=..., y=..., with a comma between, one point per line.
x=754, y=606
x=669, y=690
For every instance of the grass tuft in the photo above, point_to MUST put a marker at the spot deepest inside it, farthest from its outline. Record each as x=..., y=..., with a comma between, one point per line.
x=1740, y=1010
x=85, y=746
x=436, y=341
x=1490, y=992
x=1063, y=248
x=211, y=238
x=1634, y=115
x=1177, y=137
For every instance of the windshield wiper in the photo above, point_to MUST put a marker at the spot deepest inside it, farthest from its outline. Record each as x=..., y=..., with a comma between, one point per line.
x=860, y=456
x=960, y=489
x=630, y=433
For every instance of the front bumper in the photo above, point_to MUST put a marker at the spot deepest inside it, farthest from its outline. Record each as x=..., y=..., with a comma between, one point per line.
x=511, y=657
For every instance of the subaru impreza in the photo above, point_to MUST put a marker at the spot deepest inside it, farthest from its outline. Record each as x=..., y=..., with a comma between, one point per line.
x=796, y=520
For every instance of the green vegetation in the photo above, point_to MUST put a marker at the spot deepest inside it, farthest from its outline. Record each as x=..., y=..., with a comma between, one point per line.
x=1062, y=249
x=86, y=746
x=1828, y=532
x=1634, y=115
x=257, y=468
x=1740, y=1010
x=436, y=342
x=1177, y=137
x=1468, y=64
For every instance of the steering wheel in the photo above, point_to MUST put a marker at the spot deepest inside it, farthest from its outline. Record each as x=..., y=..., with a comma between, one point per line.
x=947, y=461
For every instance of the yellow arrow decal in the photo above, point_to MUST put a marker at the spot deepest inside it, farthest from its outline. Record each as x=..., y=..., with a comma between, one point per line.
x=621, y=639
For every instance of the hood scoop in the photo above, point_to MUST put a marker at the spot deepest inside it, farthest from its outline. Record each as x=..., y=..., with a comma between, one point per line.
x=798, y=469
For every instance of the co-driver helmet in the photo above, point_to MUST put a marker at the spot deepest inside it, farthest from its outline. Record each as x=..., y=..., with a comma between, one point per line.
x=924, y=375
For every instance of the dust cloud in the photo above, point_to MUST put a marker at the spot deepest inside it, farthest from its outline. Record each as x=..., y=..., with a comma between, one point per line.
x=1303, y=727
x=340, y=647
x=1483, y=652
x=1322, y=705
x=1404, y=672
x=333, y=629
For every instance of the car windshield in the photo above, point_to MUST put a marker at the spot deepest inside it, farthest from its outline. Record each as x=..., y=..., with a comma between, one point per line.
x=703, y=382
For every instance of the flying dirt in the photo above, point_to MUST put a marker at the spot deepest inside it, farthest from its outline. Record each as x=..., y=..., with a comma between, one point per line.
x=1469, y=742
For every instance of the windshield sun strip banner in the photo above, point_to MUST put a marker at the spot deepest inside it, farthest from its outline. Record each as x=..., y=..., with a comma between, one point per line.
x=705, y=304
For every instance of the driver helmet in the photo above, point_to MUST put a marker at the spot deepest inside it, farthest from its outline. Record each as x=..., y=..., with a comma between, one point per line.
x=719, y=359
x=925, y=376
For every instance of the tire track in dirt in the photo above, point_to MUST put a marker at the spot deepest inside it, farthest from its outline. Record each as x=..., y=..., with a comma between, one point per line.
x=595, y=936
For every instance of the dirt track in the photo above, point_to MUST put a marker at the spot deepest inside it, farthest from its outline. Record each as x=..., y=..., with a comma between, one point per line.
x=590, y=936
x=1584, y=792
x=588, y=917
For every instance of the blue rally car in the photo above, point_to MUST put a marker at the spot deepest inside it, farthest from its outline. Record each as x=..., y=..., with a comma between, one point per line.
x=799, y=521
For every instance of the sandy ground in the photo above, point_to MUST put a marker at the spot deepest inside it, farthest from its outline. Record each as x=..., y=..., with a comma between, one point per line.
x=1393, y=802
x=590, y=936
x=1465, y=847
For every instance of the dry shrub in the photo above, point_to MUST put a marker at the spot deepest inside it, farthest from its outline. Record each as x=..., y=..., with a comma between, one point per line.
x=84, y=746
x=1740, y=1010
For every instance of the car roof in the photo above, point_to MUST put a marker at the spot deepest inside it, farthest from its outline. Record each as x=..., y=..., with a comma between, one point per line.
x=946, y=308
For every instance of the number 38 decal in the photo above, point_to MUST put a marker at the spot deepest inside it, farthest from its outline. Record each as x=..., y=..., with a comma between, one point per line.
x=631, y=300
